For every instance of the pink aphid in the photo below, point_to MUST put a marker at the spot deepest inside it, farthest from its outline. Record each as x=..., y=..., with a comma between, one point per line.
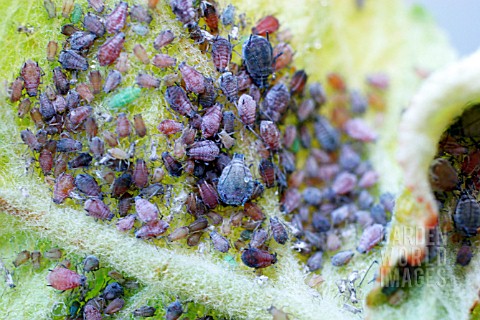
x=358, y=129
x=98, y=209
x=63, y=279
x=370, y=237
x=378, y=80
x=31, y=74
x=194, y=80
x=368, y=179
x=152, y=229
x=169, y=127
x=247, y=108
x=146, y=210
x=116, y=20
x=344, y=183
x=126, y=224
x=221, y=53
x=110, y=50
x=64, y=185
x=211, y=121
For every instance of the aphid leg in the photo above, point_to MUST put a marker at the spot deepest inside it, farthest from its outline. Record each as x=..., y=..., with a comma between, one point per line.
x=368, y=270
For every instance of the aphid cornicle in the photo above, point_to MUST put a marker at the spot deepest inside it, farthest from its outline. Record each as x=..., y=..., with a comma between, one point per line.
x=275, y=103
x=178, y=101
x=467, y=215
x=229, y=85
x=221, y=53
x=256, y=258
x=70, y=59
x=235, y=185
x=212, y=120
x=113, y=80
x=63, y=279
x=93, y=24
x=31, y=74
x=194, y=80
x=88, y=185
x=116, y=20
x=110, y=50
x=163, y=39
x=64, y=185
x=204, y=150
x=278, y=230
x=257, y=53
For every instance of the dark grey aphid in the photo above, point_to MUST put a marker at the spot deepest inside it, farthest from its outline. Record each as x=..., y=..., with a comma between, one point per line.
x=46, y=107
x=315, y=262
x=69, y=59
x=91, y=263
x=235, y=185
x=258, y=56
x=81, y=40
x=68, y=145
x=88, y=185
x=342, y=258
x=228, y=121
x=208, y=97
x=228, y=15
x=112, y=291
x=278, y=230
x=144, y=311
x=276, y=102
x=174, y=310
x=93, y=24
x=229, y=85
x=379, y=216
x=467, y=215
x=328, y=136
x=113, y=80
x=179, y=102
x=60, y=80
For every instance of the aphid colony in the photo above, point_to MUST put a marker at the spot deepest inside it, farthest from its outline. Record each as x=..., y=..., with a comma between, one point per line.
x=454, y=178
x=84, y=158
